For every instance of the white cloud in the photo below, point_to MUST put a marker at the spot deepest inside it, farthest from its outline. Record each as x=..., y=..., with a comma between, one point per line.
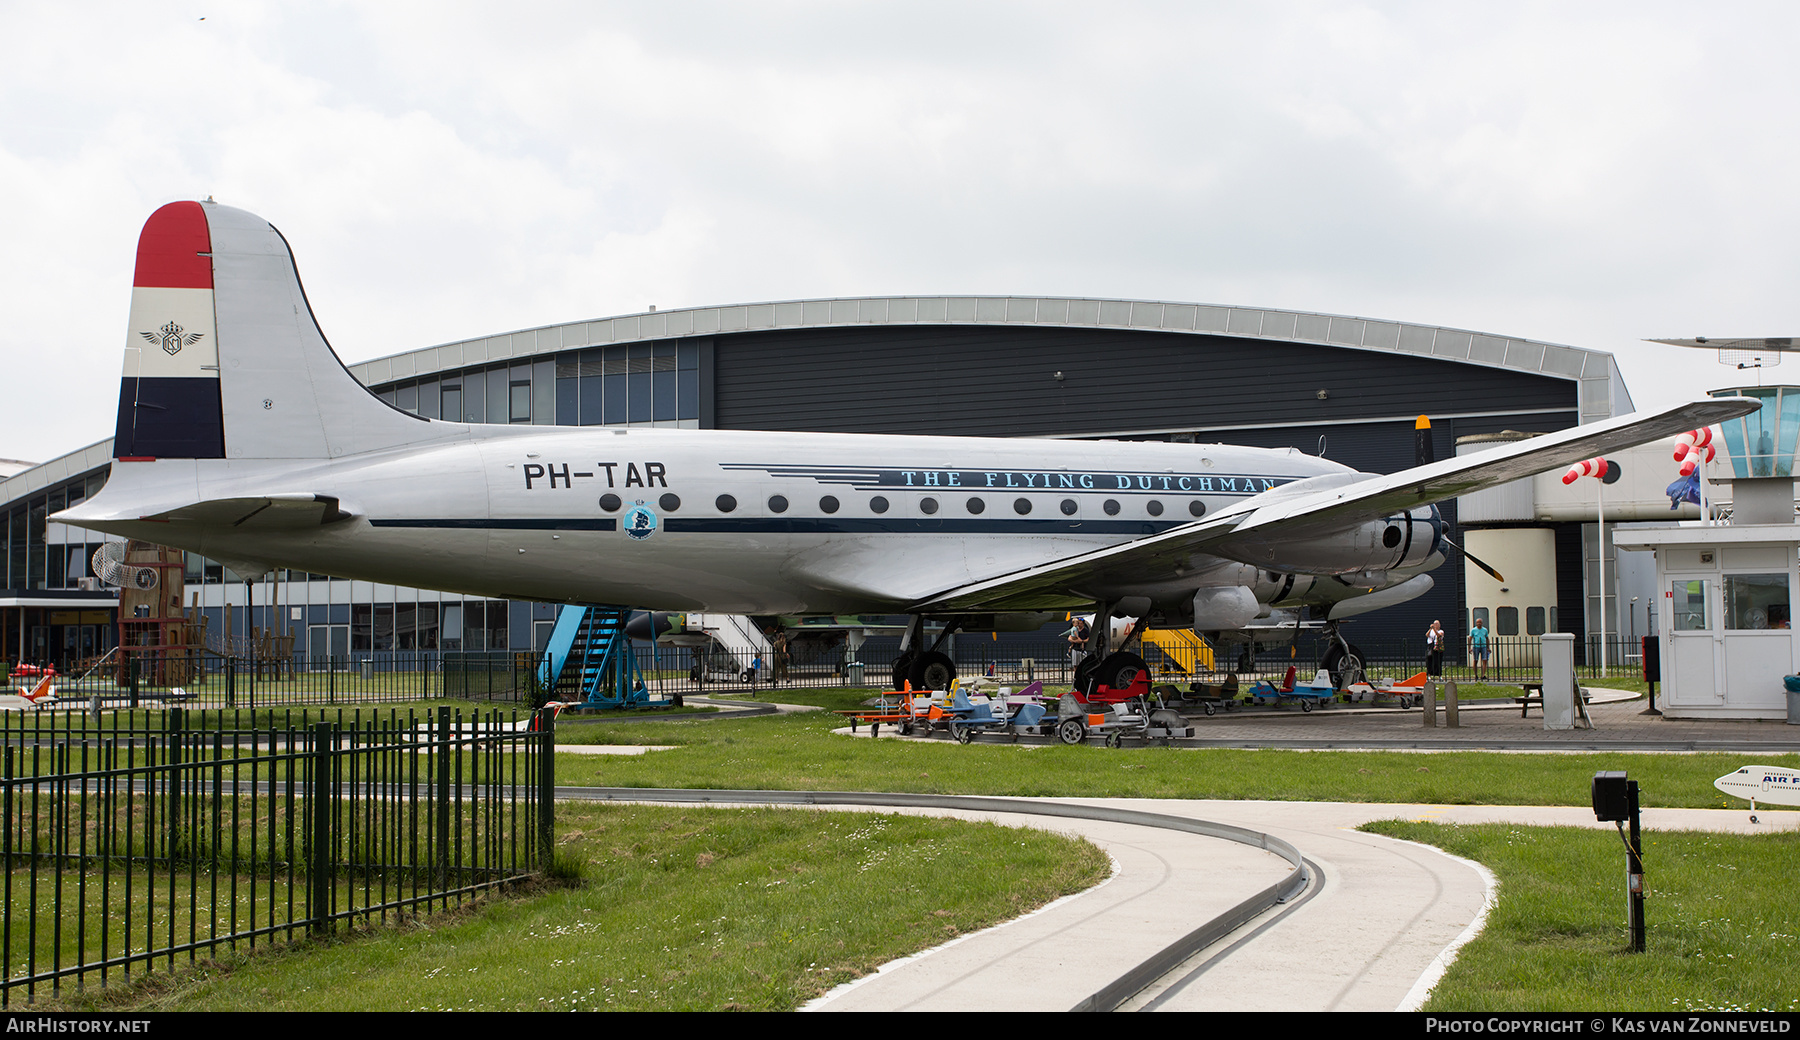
x=1589, y=174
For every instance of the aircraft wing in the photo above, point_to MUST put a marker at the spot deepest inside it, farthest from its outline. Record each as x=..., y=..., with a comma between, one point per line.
x=1296, y=512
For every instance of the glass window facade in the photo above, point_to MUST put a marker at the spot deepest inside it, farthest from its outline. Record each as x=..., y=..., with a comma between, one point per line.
x=653, y=382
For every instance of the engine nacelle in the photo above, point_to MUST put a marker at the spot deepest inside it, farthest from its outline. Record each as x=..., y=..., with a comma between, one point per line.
x=1398, y=542
x=1224, y=607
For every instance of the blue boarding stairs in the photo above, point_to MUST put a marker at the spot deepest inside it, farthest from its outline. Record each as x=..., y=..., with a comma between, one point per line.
x=590, y=651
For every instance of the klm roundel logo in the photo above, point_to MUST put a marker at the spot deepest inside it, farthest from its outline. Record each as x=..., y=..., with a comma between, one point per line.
x=640, y=522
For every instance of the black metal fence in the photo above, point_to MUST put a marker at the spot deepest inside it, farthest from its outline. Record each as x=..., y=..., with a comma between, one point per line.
x=206, y=679
x=125, y=849
x=209, y=680
x=1511, y=660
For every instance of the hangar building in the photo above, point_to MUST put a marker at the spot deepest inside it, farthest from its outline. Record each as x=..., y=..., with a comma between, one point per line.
x=953, y=365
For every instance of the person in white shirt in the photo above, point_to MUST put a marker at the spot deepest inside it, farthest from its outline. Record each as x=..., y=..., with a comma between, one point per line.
x=1434, y=650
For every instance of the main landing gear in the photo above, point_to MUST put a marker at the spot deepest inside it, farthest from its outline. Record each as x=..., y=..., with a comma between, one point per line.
x=928, y=669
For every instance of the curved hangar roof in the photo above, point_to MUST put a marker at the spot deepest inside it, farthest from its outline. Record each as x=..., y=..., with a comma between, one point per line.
x=1602, y=392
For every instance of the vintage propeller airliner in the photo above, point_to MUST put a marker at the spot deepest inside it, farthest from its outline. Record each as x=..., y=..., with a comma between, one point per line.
x=241, y=436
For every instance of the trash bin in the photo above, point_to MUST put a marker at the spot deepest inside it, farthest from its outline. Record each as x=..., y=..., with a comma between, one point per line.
x=853, y=673
x=368, y=669
x=1792, y=682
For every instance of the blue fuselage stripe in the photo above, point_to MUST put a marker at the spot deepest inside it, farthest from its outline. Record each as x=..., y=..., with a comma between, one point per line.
x=813, y=525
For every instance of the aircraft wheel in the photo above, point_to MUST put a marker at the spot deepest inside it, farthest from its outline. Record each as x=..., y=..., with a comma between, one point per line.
x=963, y=734
x=1071, y=731
x=932, y=671
x=1120, y=669
x=903, y=669
x=1083, y=671
x=1306, y=705
x=1346, y=668
x=1210, y=710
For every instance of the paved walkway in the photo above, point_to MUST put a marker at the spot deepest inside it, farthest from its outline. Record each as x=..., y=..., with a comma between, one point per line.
x=1374, y=931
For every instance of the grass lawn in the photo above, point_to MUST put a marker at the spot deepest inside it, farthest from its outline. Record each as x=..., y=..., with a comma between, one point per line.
x=689, y=909
x=701, y=908
x=799, y=752
x=1721, y=921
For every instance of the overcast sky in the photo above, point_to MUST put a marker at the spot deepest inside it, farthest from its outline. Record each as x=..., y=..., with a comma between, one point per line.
x=1589, y=174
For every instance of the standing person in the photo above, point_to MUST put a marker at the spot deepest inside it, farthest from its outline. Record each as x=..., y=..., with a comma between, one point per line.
x=1434, y=650
x=1078, y=642
x=1478, y=649
x=779, y=659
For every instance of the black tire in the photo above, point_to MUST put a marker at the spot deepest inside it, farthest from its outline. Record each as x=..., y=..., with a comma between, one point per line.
x=903, y=669
x=1084, y=671
x=1346, y=668
x=963, y=734
x=1114, y=740
x=906, y=728
x=874, y=729
x=1071, y=731
x=1210, y=710
x=678, y=701
x=1120, y=669
x=1306, y=704
x=932, y=671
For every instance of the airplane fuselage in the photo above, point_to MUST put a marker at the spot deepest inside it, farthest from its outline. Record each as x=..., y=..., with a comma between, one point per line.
x=732, y=522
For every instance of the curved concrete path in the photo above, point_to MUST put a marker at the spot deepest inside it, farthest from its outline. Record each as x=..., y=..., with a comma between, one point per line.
x=1373, y=933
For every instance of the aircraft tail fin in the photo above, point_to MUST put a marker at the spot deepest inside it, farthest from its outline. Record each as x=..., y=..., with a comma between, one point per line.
x=223, y=358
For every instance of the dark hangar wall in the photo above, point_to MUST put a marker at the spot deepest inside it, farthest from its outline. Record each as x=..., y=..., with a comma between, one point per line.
x=999, y=382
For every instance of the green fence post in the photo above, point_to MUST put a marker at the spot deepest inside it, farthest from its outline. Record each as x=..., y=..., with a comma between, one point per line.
x=173, y=729
x=546, y=787
x=441, y=818
x=230, y=682
x=319, y=859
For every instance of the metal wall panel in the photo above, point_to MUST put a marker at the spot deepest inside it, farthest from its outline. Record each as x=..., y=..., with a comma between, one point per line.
x=999, y=381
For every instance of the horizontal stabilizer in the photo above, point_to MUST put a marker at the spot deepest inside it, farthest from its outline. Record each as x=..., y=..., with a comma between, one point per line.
x=266, y=512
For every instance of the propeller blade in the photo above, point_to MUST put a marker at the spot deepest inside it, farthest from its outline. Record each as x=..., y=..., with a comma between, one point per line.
x=1476, y=560
x=1424, y=453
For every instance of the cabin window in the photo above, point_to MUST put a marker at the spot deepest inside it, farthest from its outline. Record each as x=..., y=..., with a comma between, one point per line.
x=1111, y=507
x=928, y=506
x=778, y=503
x=1197, y=508
x=1154, y=508
x=669, y=503
x=726, y=503
x=828, y=504
x=609, y=502
x=1021, y=506
x=1068, y=507
x=878, y=504
x=976, y=505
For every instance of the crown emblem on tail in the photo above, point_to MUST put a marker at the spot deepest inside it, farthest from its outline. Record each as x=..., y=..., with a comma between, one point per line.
x=173, y=338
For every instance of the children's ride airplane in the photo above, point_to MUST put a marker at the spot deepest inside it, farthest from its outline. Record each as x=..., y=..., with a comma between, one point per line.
x=241, y=436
